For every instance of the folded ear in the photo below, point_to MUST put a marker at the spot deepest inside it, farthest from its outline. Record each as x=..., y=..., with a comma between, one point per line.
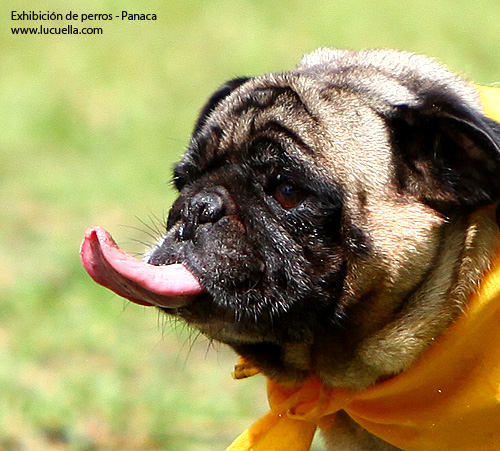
x=222, y=92
x=447, y=153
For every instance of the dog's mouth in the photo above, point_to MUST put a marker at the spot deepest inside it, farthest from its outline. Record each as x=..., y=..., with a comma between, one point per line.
x=168, y=286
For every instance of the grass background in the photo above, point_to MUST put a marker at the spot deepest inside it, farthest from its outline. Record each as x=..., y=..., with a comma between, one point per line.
x=90, y=129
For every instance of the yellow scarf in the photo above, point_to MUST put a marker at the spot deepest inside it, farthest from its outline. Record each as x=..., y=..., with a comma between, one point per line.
x=449, y=400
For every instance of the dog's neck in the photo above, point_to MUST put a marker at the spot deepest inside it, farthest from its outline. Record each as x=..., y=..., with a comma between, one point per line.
x=468, y=248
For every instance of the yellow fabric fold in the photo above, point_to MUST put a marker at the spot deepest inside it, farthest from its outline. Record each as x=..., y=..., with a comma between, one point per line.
x=275, y=432
x=449, y=400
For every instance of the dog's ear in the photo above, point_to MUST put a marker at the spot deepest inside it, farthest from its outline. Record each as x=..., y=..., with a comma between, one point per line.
x=215, y=99
x=447, y=153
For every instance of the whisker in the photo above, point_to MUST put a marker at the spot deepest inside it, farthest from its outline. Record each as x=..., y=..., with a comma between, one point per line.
x=152, y=227
x=144, y=243
x=148, y=231
x=158, y=223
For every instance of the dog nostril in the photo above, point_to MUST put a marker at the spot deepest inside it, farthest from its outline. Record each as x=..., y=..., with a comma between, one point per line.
x=210, y=206
x=202, y=208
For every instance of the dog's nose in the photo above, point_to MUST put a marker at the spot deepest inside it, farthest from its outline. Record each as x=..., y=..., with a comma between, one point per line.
x=204, y=207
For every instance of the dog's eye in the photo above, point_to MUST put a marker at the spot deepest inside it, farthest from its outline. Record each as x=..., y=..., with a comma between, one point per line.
x=288, y=195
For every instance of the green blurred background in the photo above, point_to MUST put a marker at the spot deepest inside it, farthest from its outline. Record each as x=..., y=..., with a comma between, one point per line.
x=90, y=129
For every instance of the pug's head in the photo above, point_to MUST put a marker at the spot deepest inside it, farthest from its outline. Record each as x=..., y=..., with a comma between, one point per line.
x=323, y=213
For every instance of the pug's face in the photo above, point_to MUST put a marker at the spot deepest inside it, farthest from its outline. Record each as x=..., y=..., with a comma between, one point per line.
x=319, y=210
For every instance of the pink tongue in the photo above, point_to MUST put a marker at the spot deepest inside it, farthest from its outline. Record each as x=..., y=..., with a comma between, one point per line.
x=168, y=286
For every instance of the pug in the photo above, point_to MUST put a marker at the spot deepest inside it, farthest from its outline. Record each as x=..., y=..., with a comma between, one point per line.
x=333, y=220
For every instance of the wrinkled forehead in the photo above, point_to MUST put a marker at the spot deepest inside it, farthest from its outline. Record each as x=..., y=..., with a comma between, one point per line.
x=319, y=125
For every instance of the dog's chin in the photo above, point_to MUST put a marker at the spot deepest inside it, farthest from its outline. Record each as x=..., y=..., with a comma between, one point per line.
x=255, y=340
x=220, y=323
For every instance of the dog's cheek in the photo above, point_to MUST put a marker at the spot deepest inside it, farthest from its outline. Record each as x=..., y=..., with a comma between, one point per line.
x=403, y=239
